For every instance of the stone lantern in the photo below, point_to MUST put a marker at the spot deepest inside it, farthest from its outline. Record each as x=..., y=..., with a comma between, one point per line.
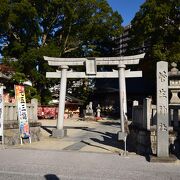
x=174, y=84
x=174, y=87
x=98, y=109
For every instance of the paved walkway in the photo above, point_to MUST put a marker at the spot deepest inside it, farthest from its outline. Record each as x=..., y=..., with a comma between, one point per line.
x=85, y=136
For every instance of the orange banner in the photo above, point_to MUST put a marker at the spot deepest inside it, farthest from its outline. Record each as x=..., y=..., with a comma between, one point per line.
x=22, y=111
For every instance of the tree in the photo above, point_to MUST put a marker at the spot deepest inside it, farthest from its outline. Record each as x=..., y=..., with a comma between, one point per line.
x=157, y=26
x=32, y=29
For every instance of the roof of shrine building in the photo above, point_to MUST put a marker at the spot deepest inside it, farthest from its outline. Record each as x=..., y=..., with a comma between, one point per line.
x=69, y=100
x=133, y=86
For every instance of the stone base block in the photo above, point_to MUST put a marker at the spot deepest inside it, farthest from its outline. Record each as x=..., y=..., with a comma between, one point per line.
x=89, y=118
x=170, y=159
x=12, y=136
x=59, y=133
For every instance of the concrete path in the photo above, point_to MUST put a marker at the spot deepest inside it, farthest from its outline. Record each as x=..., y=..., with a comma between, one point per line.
x=85, y=136
x=27, y=164
x=89, y=152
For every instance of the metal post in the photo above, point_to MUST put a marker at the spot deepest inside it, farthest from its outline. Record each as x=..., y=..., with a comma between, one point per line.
x=122, y=94
x=125, y=148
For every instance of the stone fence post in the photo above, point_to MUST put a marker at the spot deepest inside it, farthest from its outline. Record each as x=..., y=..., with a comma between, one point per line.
x=10, y=111
x=147, y=113
x=34, y=102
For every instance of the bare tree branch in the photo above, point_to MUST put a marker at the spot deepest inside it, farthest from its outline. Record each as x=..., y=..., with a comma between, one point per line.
x=49, y=29
x=70, y=50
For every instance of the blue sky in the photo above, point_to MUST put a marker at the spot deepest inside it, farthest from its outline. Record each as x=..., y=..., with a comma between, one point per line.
x=127, y=8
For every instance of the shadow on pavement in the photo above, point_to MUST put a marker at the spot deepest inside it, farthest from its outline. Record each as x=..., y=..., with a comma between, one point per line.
x=109, y=139
x=110, y=123
x=51, y=177
x=89, y=144
x=48, y=128
x=92, y=130
x=75, y=127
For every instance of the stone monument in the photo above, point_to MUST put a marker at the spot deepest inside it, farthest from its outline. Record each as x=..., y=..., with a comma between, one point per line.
x=162, y=110
x=89, y=110
x=89, y=113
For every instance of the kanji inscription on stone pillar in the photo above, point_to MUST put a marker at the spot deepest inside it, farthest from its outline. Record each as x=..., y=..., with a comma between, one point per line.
x=162, y=110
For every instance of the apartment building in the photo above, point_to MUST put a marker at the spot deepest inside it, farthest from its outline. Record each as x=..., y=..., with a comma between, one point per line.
x=121, y=44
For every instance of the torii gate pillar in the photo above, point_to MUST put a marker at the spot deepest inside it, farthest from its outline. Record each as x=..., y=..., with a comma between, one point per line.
x=60, y=132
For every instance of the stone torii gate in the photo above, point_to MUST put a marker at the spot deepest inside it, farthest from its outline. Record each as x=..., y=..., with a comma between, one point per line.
x=91, y=72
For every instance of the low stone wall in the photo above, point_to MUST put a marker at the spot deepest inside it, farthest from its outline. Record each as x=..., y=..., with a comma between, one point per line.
x=12, y=136
x=173, y=136
x=145, y=142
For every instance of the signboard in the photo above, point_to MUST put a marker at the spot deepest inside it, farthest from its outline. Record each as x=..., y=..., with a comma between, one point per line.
x=22, y=111
x=91, y=67
x=1, y=112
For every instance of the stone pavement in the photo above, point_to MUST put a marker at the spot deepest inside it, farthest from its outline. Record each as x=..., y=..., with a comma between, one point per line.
x=83, y=136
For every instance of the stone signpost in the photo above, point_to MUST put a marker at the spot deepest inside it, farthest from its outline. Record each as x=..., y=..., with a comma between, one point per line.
x=91, y=72
x=162, y=110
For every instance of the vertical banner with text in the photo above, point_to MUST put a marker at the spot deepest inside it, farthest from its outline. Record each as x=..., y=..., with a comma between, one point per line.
x=1, y=111
x=22, y=111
